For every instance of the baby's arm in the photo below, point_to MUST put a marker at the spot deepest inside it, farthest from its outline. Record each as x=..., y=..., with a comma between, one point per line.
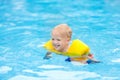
x=91, y=58
x=48, y=55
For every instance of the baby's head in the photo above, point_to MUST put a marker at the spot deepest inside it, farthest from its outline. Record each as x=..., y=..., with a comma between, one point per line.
x=61, y=36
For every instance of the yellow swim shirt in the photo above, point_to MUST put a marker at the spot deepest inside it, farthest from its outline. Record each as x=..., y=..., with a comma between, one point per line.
x=76, y=49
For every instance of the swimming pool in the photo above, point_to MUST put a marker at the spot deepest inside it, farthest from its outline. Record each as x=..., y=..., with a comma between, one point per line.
x=26, y=24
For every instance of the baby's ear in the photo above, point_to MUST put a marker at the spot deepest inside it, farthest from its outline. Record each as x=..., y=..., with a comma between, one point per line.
x=68, y=39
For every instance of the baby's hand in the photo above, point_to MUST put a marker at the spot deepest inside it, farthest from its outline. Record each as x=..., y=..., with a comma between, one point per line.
x=48, y=55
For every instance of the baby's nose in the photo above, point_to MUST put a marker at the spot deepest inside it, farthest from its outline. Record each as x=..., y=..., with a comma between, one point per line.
x=55, y=42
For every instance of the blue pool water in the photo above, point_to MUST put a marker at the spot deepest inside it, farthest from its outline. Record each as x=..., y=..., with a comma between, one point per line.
x=25, y=25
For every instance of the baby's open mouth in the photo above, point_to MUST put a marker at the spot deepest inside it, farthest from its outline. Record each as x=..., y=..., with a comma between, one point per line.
x=56, y=46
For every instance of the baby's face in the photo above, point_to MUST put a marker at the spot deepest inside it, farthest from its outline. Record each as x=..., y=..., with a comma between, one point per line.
x=60, y=42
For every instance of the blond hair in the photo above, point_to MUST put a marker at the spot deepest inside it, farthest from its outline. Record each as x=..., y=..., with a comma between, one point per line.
x=64, y=29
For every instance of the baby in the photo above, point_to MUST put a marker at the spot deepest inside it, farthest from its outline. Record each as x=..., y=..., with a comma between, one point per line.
x=60, y=44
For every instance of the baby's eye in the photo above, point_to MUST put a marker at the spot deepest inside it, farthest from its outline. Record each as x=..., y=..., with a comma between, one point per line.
x=52, y=38
x=58, y=40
